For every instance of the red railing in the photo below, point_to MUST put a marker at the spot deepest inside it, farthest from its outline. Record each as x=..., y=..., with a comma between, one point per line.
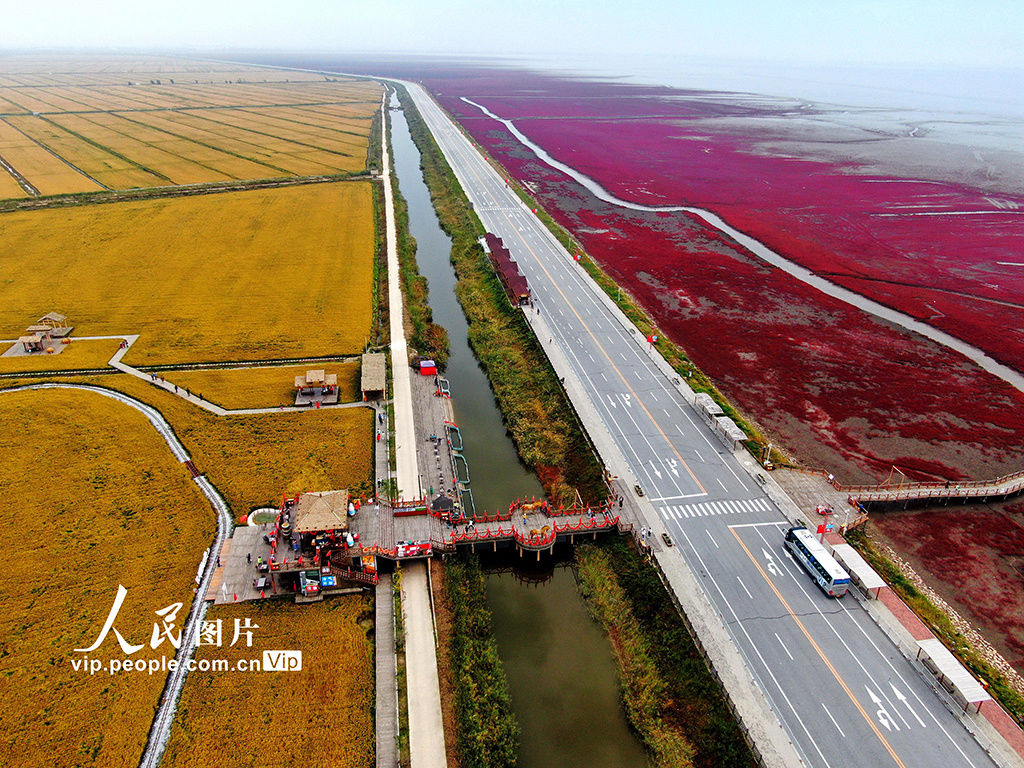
x=538, y=539
x=351, y=575
x=496, y=517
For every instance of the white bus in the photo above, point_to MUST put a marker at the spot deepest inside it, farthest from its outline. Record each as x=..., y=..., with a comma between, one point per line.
x=812, y=555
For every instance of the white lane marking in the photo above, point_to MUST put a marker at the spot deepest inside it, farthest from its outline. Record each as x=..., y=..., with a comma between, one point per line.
x=664, y=512
x=833, y=721
x=777, y=524
x=757, y=650
x=699, y=457
x=744, y=587
x=674, y=498
x=881, y=713
x=784, y=646
x=603, y=376
x=721, y=483
x=712, y=539
x=682, y=511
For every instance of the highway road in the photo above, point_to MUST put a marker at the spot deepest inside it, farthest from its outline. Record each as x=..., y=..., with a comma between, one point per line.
x=844, y=693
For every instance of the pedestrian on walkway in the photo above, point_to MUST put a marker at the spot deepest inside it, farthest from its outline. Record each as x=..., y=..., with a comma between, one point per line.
x=248, y=557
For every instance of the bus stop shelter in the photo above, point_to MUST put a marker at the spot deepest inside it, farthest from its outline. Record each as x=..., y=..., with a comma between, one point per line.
x=953, y=676
x=862, y=574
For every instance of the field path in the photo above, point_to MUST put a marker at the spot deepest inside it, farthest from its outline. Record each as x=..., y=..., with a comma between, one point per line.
x=161, y=727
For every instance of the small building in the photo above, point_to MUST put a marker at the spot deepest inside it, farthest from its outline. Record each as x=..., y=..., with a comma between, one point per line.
x=372, y=376
x=321, y=512
x=316, y=387
x=55, y=323
x=512, y=280
x=32, y=343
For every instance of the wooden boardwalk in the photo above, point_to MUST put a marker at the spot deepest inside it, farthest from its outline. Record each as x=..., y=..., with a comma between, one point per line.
x=1005, y=486
x=386, y=702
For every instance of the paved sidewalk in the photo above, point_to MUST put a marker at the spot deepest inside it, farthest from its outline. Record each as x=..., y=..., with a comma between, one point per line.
x=426, y=729
x=403, y=430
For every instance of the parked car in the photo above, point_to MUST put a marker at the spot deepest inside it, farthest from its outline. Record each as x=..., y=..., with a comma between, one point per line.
x=667, y=539
x=639, y=490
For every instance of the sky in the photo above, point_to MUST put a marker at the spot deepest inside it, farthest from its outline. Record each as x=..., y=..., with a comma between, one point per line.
x=983, y=33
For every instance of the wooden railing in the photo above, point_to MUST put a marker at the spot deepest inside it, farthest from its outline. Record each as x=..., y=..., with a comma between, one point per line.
x=352, y=575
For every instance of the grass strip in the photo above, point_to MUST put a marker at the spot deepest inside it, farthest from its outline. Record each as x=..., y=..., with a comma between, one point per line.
x=488, y=732
x=671, y=697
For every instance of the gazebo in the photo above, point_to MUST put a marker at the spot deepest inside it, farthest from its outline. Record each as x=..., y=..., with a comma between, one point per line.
x=321, y=512
x=372, y=376
x=56, y=324
x=31, y=343
x=316, y=386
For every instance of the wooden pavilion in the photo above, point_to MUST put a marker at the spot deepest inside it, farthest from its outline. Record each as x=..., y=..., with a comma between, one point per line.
x=316, y=386
x=372, y=376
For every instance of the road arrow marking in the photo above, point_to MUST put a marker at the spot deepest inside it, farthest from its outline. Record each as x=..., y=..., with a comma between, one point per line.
x=884, y=718
x=899, y=695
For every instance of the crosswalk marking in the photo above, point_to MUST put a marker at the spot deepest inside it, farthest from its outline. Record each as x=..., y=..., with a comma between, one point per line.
x=714, y=508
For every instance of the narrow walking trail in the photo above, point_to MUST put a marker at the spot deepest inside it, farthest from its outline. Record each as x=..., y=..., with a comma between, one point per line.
x=161, y=727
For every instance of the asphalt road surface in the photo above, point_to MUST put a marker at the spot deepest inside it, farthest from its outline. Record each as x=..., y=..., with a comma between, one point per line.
x=843, y=691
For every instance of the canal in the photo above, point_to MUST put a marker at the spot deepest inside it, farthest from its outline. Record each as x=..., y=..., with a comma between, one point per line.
x=562, y=675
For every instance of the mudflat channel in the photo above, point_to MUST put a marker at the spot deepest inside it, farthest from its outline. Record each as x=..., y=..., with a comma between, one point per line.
x=562, y=675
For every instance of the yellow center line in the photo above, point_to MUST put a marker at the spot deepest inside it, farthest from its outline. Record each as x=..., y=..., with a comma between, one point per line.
x=821, y=653
x=592, y=336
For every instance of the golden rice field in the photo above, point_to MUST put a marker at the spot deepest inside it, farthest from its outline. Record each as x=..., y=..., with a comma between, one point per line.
x=150, y=123
x=95, y=499
x=320, y=717
x=252, y=275
x=264, y=387
x=252, y=460
x=78, y=355
x=45, y=172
